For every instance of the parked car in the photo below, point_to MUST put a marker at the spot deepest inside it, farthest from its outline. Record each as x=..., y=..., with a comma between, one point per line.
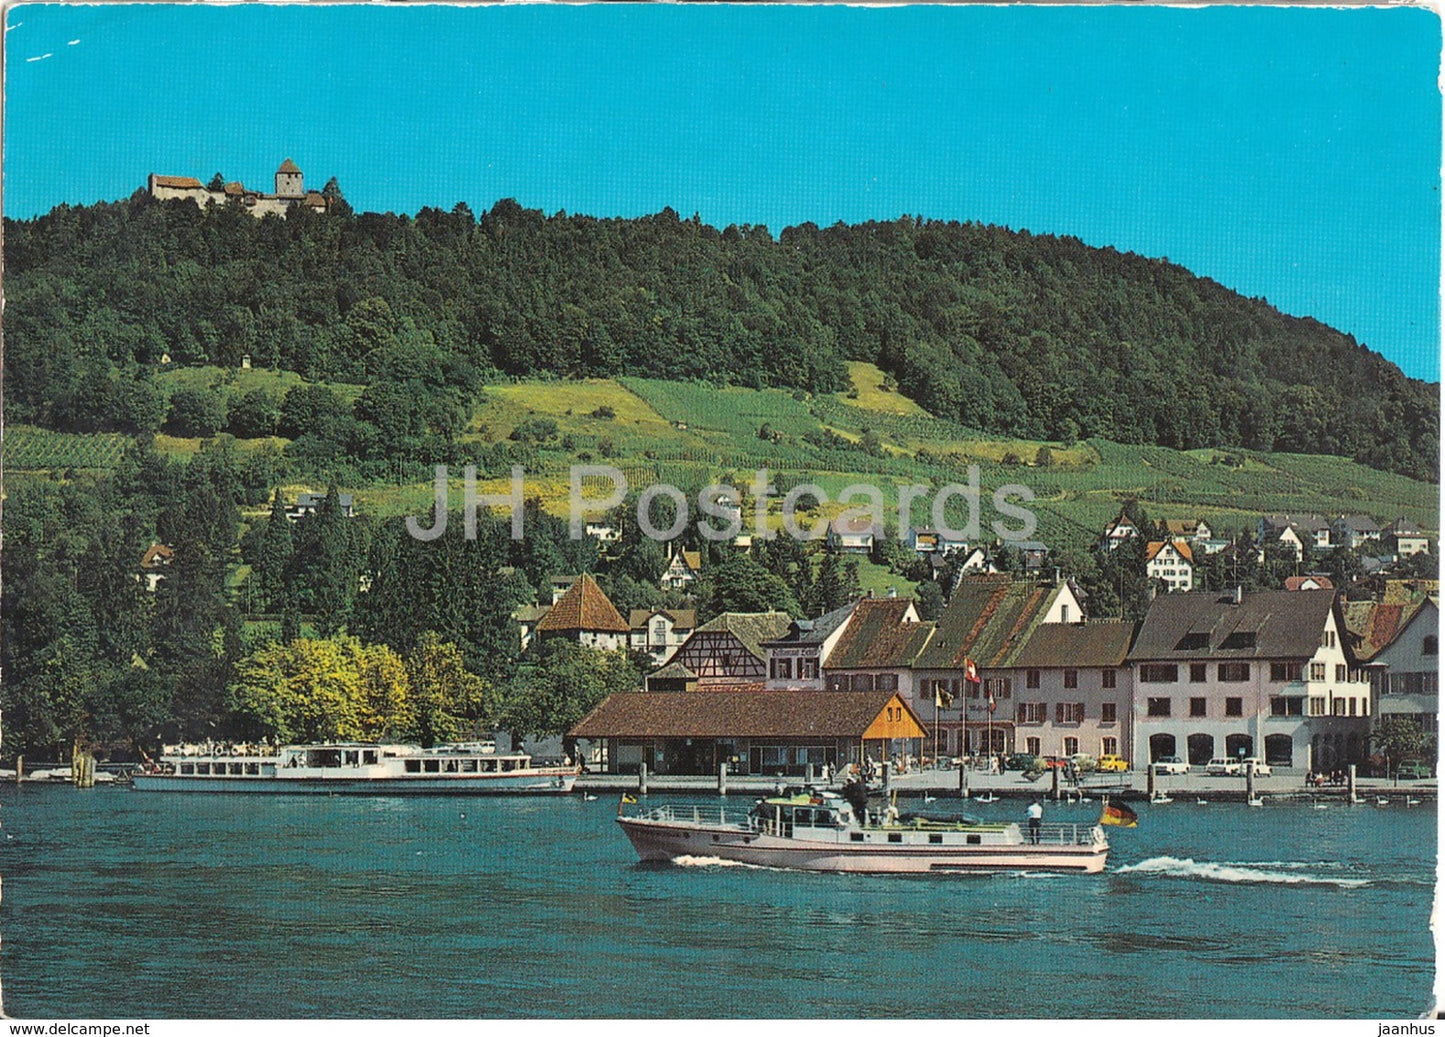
x=1413, y=770
x=1056, y=763
x=1170, y=765
x=1084, y=763
x=1261, y=769
x=1222, y=765
x=1021, y=762
x=1110, y=762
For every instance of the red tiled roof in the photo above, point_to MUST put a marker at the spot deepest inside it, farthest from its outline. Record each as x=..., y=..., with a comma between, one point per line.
x=177, y=181
x=1155, y=546
x=288, y=167
x=877, y=636
x=583, y=607
x=736, y=714
x=1294, y=583
x=156, y=556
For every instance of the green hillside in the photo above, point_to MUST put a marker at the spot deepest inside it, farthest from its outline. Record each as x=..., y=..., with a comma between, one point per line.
x=690, y=433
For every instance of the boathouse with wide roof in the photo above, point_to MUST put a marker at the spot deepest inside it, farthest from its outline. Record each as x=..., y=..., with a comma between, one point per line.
x=753, y=731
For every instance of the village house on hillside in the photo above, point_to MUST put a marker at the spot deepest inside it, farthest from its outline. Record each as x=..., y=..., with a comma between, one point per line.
x=683, y=571
x=1172, y=562
x=853, y=535
x=310, y=503
x=290, y=190
x=153, y=565
x=1118, y=531
x=585, y=614
x=659, y=632
x=1193, y=530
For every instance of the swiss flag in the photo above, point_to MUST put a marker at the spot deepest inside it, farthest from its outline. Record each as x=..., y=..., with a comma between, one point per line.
x=970, y=671
x=992, y=705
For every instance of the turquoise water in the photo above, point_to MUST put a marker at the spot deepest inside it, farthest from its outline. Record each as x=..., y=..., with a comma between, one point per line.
x=120, y=904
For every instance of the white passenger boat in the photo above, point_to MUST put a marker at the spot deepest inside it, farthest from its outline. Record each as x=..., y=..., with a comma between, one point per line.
x=362, y=768
x=822, y=831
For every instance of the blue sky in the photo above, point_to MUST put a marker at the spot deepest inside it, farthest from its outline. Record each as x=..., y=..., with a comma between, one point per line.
x=1287, y=153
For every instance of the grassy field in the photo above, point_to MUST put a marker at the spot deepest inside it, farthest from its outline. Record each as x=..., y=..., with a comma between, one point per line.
x=689, y=434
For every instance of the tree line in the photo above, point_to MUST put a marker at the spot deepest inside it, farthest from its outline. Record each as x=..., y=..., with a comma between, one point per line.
x=1012, y=333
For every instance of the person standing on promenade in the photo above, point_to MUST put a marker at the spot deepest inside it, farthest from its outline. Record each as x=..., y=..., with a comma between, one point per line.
x=1036, y=817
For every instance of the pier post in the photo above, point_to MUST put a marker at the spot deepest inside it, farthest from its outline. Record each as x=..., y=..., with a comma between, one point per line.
x=722, y=778
x=642, y=778
x=19, y=769
x=887, y=777
x=1249, y=780
x=808, y=775
x=1351, y=773
x=1149, y=788
x=1055, y=772
x=962, y=782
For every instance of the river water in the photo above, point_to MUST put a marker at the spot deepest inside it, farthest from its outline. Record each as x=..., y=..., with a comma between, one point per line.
x=126, y=904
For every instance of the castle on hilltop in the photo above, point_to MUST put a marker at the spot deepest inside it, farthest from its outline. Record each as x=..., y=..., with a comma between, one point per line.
x=290, y=190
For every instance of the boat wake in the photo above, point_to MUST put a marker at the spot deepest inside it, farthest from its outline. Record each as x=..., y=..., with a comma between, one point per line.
x=1287, y=873
x=689, y=861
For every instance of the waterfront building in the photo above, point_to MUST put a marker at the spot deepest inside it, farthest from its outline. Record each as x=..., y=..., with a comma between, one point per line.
x=1072, y=691
x=878, y=647
x=795, y=657
x=754, y=732
x=1399, y=645
x=731, y=648
x=988, y=620
x=1266, y=674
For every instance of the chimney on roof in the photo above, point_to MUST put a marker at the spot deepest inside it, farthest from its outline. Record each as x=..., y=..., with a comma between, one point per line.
x=1237, y=595
x=893, y=592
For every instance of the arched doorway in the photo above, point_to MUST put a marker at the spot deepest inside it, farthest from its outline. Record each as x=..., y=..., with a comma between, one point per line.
x=1279, y=750
x=1236, y=746
x=1201, y=749
x=1160, y=746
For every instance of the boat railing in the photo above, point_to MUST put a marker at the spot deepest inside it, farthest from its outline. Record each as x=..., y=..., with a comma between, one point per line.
x=697, y=815
x=1064, y=833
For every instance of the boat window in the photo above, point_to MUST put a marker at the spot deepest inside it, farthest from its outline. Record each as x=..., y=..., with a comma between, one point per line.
x=508, y=765
x=973, y=840
x=451, y=767
x=802, y=816
x=857, y=837
x=413, y=766
x=188, y=768
x=935, y=837
x=489, y=766
x=431, y=766
x=895, y=837
x=203, y=768
x=469, y=766
x=236, y=768
x=353, y=758
x=253, y=768
x=368, y=756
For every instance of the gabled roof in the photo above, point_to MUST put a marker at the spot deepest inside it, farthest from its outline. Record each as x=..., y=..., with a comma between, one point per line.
x=1122, y=521
x=691, y=559
x=1265, y=625
x=738, y=714
x=1362, y=524
x=530, y=613
x=878, y=636
x=682, y=619
x=988, y=619
x=814, y=631
x=1155, y=546
x=1077, y=644
x=177, y=181
x=672, y=671
x=288, y=167
x=156, y=556
x=854, y=525
x=583, y=607
x=1294, y=583
x=752, y=629
x=1181, y=527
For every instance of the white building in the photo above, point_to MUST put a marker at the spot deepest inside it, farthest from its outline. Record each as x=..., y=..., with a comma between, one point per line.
x=1171, y=561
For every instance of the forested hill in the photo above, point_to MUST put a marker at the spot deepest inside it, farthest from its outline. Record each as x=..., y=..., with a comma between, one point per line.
x=1008, y=332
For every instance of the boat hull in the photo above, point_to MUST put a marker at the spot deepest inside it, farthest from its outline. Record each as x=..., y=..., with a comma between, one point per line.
x=662, y=840
x=427, y=785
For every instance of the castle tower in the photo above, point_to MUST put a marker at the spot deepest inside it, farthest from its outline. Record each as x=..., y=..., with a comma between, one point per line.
x=288, y=180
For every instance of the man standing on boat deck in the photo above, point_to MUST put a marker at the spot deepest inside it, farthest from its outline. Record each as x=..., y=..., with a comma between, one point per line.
x=1036, y=817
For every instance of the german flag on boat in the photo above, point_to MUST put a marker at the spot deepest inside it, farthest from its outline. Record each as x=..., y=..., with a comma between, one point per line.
x=1118, y=814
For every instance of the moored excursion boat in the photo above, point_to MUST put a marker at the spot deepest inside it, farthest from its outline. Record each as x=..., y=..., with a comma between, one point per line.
x=823, y=831
x=362, y=768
